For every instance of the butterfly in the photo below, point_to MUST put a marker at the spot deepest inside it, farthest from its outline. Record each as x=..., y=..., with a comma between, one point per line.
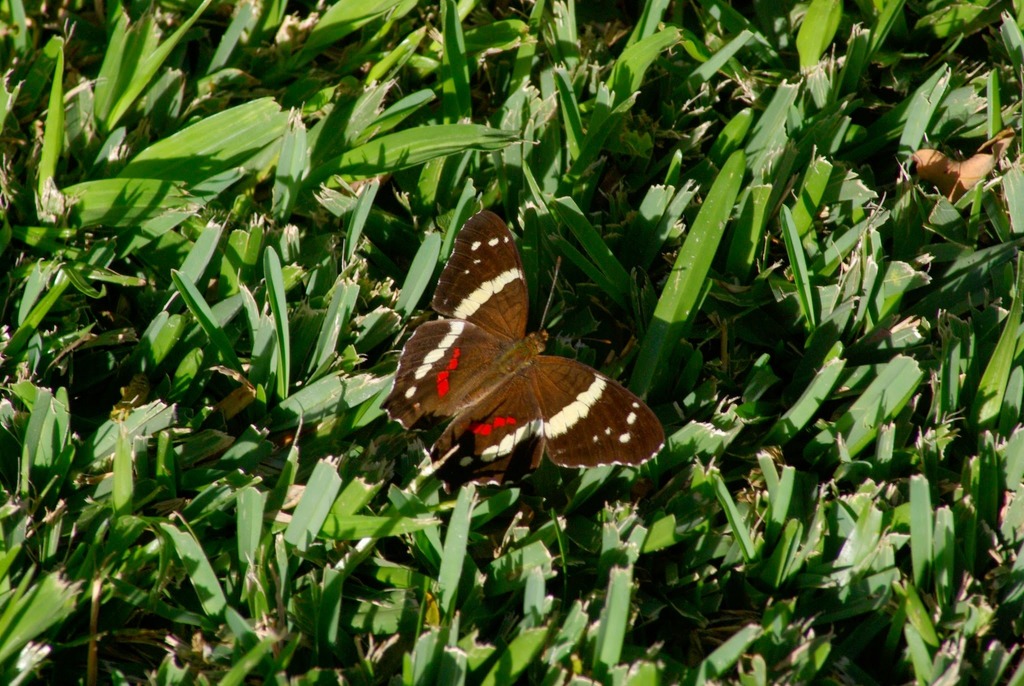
x=507, y=402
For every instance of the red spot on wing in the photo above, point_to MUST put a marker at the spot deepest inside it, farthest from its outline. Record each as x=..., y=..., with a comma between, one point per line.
x=480, y=428
x=442, y=377
x=484, y=428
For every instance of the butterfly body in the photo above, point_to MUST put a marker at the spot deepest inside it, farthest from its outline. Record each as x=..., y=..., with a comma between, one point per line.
x=508, y=402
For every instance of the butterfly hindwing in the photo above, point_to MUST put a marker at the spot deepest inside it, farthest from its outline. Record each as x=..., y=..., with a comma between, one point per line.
x=590, y=419
x=483, y=280
x=436, y=371
x=498, y=439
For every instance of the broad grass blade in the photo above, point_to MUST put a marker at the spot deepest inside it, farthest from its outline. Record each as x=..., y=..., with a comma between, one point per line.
x=279, y=311
x=455, y=94
x=991, y=390
x=204, y=315
x=410, y=147
x=314, y=506
x=614, y=621
x=680, y=301
x=200, y=571
x=454, y=556
x=53, y=129
x=129, y=69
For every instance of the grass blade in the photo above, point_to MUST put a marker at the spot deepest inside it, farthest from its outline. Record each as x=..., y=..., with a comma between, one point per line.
x=204, y=315
x=989, y=399
x=522, y=651
x=807, y=406
x=340, y=20
x=357, y=218
x=124, y=480
x=355, y=527
x=680, y=300
x=292, y=165
x=145, y=58
x=410, y=147
x=724, y=656
x=887, y=394
x=35, y=316
x=279, y=312
x=569, y=108
x=921, y=529
x=249, y=520
x=614, y=621
x=32, y=608
x=53, y=129
x=602, y=266
x=805, y=291
x=420, y=276
x=732, y=513
x=632, y=65
x=314, y=506
x=215, y=144
x=126, y=202
x=326, y=397
x=335, y=324
x=454, y=68
x=454, y=557
x=817, y=30
x=198, y=569
x=207, y=245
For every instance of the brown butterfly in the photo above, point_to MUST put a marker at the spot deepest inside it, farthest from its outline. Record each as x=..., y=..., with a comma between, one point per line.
x=506, y=400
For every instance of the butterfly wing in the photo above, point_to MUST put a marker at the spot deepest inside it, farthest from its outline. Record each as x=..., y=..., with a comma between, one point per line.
x=590, y=419
x=436, y=370
x=483, y=280
x=500, y=438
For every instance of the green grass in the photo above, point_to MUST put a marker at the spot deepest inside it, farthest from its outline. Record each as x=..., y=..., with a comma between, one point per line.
x=220, y=223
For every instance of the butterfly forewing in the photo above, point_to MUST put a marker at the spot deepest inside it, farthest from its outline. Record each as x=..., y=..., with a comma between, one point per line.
x=498, y=439
x=483, y=281
x=437, y=369
x=590, y=419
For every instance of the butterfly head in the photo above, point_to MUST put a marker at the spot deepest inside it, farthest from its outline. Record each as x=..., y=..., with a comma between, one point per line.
x=537, y=341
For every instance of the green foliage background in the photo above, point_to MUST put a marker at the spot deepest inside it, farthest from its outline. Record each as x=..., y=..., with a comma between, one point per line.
x=220, y=222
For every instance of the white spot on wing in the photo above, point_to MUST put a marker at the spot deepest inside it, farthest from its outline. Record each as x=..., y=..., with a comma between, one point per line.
x=476, y=244
x=493, y=242
x=631, y=417
x=624, y=438
x=505, y=446
x=484, y=291
x=566, y=418
x=454, y=332
x=435, y=355
x=410, y=392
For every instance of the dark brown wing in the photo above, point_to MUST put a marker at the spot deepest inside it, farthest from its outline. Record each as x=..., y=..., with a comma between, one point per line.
x=483, y=280
x=499, y=439
x=590, y=419
x=436, y=371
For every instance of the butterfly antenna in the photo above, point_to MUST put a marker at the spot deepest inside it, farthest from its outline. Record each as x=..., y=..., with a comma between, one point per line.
x=551, y=293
